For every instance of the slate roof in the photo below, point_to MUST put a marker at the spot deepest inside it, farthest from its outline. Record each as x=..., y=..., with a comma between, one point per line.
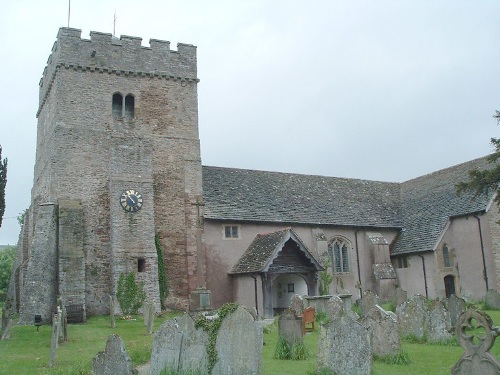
x=420, y=207
x=429, y=201
x=264, y=248
x=260, y=196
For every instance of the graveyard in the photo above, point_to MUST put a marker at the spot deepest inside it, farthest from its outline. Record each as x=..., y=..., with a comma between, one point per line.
x=153, y=343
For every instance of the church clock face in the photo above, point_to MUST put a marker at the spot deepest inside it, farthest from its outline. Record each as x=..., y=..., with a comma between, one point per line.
x=131, y=200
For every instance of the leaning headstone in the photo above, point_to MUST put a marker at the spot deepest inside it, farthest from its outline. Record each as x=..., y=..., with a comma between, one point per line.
x=383, y=327
x=239, y=345
x=456, y=307
x=290, y=327
x=151, y=318
x=344, y=347
x=492, y=299
x=114, y=359
x=297, y=304
x=334, y=307
x=6, y=326
x=179, y=347
x=476, y=358
x=438, y=324
x=58, y=316
x=54, y=341
x=400, y=296
x=412, y=316
x=368, y=301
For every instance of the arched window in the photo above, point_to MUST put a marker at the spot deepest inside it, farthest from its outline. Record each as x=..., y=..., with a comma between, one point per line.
x=338, y=249
x=117, y=104
x=129, y=106
x=446, y=256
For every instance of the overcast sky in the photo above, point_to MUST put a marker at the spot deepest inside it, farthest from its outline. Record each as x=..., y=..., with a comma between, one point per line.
x=380, y=90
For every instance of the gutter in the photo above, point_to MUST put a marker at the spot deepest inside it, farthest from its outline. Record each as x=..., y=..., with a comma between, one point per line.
x=425, y=275
x=255, y=287
x=357, y=260
x=485, y=272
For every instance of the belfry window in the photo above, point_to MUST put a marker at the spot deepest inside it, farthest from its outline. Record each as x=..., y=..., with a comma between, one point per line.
x=123, y=107
x=117, y=104
x=338, y=250
x=141, y=265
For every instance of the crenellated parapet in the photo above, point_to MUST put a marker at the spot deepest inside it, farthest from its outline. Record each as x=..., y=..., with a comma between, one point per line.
x=123, y=56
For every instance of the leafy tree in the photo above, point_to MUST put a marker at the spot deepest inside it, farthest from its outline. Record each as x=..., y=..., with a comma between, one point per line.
x=130, y=295
x=3, y=182
x=7, y=257
x=485, y=181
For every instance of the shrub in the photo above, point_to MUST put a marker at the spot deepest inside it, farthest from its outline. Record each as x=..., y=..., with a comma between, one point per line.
x=130, y=295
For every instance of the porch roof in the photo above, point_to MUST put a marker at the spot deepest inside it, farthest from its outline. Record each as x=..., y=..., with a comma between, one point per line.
x=265, y=248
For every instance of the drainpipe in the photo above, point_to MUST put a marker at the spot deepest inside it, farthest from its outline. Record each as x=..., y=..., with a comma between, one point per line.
x=357, y=260
x=425, y=275
x=485, y=273
x=256, y=301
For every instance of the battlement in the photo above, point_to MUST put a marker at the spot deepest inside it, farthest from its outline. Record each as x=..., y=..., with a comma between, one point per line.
x=103, y=52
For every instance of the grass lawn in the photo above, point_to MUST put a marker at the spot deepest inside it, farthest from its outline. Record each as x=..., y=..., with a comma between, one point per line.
x=27, y=352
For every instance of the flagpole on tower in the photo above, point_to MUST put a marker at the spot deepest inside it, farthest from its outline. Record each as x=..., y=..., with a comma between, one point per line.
x=69, y=10
x=114, y=23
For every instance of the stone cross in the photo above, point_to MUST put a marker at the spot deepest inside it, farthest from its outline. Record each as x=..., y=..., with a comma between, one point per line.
x=476, y=334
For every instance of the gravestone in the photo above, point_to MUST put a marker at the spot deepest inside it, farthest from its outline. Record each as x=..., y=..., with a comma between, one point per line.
x=151, y=318
x=54, y=340
x=400, y=296
x=492, y=299
x=297, y=304
x=384, y=333
x=368, y=301
x=145, y=313
x=6, y=320
x=456, y=307
x=476, y=335
x=114, y=360
x=438, y=324
x=112, y=311
x=178, y=346
x=239, y=345
x=344, y=347
x=412, y=316
x=334, y=307
x=290, y=327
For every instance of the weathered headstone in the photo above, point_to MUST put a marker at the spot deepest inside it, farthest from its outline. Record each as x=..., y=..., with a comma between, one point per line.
x=438, y=324
x=456, y=307
x=476, y=358
x=290, y=327
x=412, y=316
x=178, y=346
x=6, y=320
x=492, y=299
x=334, y=307
x=54, y=340
x=114, y=360
x=368, y=301
x=384, y=333
x=400, y=296
x=297, y=304
x=239, y=345
x=344, y=347
x=151, y=318
x=145, y=313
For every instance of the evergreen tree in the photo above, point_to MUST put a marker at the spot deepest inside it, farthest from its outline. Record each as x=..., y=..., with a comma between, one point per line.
x=3, y=183
x=485, y=181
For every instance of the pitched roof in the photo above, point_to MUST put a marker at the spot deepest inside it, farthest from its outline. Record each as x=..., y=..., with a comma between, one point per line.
x=420, y=207
x=429, y=201
x=261, y=196
x=265, y=248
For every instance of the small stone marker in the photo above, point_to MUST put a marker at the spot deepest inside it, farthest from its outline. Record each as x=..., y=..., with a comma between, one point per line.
x=399, y=297
x=145, y=313
x=476, y=358
x=344, y=347
x=412, y=316
x=456, y=307
x=151, y=318
x=492, y=299
x=334, y=307
x=297, y=304
x=383, y=327
x=290, y=327
x=54, y=340
x=438, y=324
x=6, y=321
x=114, y=359
x=368, y=301
x=112, y=311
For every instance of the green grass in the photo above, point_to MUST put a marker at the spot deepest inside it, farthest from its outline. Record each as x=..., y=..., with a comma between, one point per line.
x=27, y=352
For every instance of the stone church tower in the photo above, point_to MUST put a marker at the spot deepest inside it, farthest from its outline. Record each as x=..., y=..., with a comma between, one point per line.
x=117, y=162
